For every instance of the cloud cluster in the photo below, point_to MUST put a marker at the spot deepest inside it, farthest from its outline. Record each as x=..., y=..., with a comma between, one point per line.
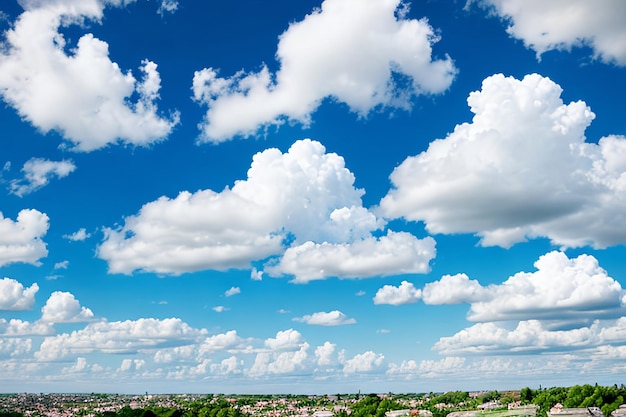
x=520, y=169
x=351, y=51
x=299, y=197
x=63, y=307
x=118, y=337
x=322, y=318
x=564, y=24
x=38, y=172
x=406, y=293
x=77, y=90
x=21, y=240
x=560, y=289
x=13, y=295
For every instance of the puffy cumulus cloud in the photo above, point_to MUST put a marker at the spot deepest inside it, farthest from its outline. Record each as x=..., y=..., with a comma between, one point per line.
x=14, y=347
x=453, y=289
x=302, y=196
x=406, y=293
x=14, y=296
x=168, y=6
x=63, y=307
x=528, y=336
x=285, y=340
x=232, y=291
x=564, y=24
x=228, y=366
x=363, y=362
x=131, y=364
x=324, y=354
x=273, y=363
x=520, y=169
x=351, y=51
x=78, y=236
x=331, y=318
x=288, y=353
x=77, y=90
x=560, y=288
x=426, y=368
x=395, y=253
x=21, y=240
x=220, y=342
x=16, y=327
x=119, y=337
x=38, y=172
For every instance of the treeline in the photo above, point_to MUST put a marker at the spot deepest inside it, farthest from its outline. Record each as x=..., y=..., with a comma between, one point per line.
x=607, y=399
x=219, y=408
x=371, y=405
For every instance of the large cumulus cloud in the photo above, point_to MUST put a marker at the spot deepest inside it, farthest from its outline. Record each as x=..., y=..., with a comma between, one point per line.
x=564, y=24
x=521, y=168
x=304, y=198
x=79, y=93
x=347, y=50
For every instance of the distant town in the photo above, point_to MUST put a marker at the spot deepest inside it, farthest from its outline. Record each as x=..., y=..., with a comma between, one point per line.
x=575, y=401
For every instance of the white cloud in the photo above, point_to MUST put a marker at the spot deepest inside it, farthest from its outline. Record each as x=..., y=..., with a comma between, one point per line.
x=81, y=94
x=78, y=236
x=168, y=6
x=324, y=354
x=119, y=337
x=520, y=169
x=395, y=253
x=347, y=50
x=62, y=307
x=426, y=368
x=453, y=289
x=331, y=318
x=16, y=327
x=220, y=309
x=527, y=336
x=228, y=366
x=232, y=291
x=223, y=341
x=279, y=362
x=303, y=195
x=61, y=265
x=285, y=340
x=561, y=288
x=406, y=293
x=564, y=24
x=131, y=364
x=13, y=295
x=256, y=275
x=364, y=362
x=14, y=347
x=20, y=241
x=38, y=172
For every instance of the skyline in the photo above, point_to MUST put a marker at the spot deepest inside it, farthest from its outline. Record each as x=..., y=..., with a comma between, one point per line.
x=325, y=196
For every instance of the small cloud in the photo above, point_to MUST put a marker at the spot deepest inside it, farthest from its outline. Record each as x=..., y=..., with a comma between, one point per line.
x=53, y=277
x=168, y=6
x=37, y=173
x=360, y=293
x=256, y=275
x=78, y=236
x=220, y=309
x=61, y=265
x=232, y=291
x=383, y=331
x=332, y=318
x=161, y=303
x=283, y=311
x=406, y=293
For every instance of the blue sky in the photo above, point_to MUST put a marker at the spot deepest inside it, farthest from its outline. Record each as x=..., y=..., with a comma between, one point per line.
x=311, y=197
